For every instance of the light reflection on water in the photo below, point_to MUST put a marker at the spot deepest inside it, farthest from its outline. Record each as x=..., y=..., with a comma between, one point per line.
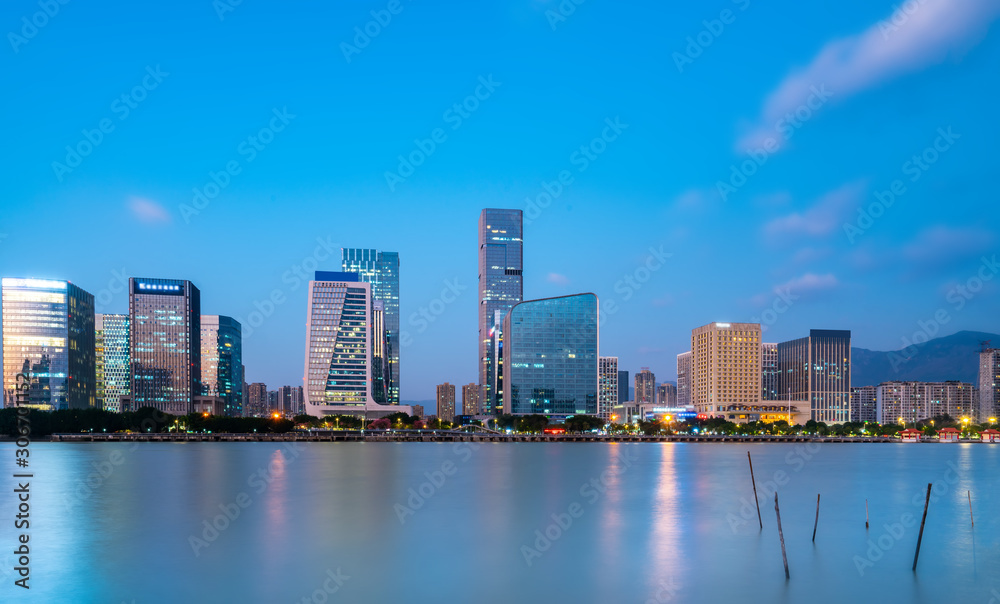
x=660, y=514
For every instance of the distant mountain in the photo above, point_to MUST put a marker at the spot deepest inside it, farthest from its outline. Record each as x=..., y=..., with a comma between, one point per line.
x=954, y=357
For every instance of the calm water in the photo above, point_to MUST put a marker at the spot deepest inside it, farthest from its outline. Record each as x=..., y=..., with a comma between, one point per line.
x=655, y=523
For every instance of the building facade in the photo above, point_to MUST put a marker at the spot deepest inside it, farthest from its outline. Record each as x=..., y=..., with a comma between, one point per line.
x=623, y=387
x=684, y=379
x=817, y=368
x=446, y=402
x=607, y=393
x=989, y=385
x=115, y=375
x=48, y=335
x=222, y=362
x=645, y=386
x=725, y=367
x=666, y=395
x=864, y=403
x=910, y=402
x=769, y=372
x=165, y=344
x=472, y=399
x=551, y=356
x=381, y=361
x=501, y=283
x=257, y=403
x=381, y=270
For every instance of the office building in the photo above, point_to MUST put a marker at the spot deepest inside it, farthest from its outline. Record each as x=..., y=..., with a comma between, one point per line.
x=381, y=271
x=607, y=391
x=551, y=356
x=222, y=362
x=381, y=363
x=769, y=372
x=989, y=385
x=666, y=395
x=472, y=399
x=725, y=367
x=114, y=377
x=165, y=344
x=48, y=335
x=645, y=386
x=623, y=387
x=864, y=406
x=446, y=402
x=257, y=403
x=493, y=388
x=684, y=379
x=500, y=277
x=817, y=369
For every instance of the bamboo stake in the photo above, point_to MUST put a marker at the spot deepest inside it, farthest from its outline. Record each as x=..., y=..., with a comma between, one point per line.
x=866, y=514
x=970, y=509
x=784, y=558
x=817, y=518
x=920, y=537
x=754, y=482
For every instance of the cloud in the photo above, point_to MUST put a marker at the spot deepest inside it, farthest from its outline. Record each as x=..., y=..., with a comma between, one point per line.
x=807, y=285
x=941, y=244
x=918, y=33
x=557, y=279
x=665, y=300
x=825, y=215
x=147, y=210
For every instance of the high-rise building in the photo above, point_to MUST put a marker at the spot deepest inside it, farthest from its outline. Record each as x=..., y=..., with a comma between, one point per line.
x=298, y=401
x=989, y=384
x=257, y=403
x=381, y=363
x=446, y=402
x=666, y=395
x=114, y=379
x=98, y=362
x=725, y=367
x=500, y=277
x=165, y=344
x=551, y=356
x=645, y=386
x=684, y=379
x=769, y=372
x=222, y=362
x=493, y=388
x=817, y=368
x=288, y=400
x=623, y=395
x=471, y=399
x=48, y=335
x=910, y=402
x=381, y=270
x=864, y=406
x=607, y=392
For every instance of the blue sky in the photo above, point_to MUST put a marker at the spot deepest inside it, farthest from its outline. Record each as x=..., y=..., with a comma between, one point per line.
x=826, y=108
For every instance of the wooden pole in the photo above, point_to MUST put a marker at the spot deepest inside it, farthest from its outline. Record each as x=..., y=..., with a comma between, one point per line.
x=920, y=537
x=817, y=518
x=970, y=509
x=777, y=512
x=866, y=514
x=754, y=482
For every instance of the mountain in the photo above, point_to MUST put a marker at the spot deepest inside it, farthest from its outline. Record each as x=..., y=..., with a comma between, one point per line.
x=954, y=357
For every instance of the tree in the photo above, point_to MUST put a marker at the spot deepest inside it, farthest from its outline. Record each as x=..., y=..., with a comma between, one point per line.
x=650, y=428
x=380, y=424
x=305, y=419
x=583, y=423
x=532, y=423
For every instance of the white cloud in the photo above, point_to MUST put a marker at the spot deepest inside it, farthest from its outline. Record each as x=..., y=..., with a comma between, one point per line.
x=148, y=210
x=823, y=217
x=557, y=279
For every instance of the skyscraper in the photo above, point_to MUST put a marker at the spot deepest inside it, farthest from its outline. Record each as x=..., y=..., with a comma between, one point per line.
x=381, y=363
x=493, y=388
x=165, y=344
x=381, y=270
x=623, y=396
x=49, y=335
x=257, y=403
x=666, y=395
x=863, y=404
x=446, y=402
x=116, y=370
x=684, y=379
x=989, y=384
x=769, y=372
x=500, y=275
x=222, y=361
x=725, y=367
x=607, y=392
x=551, y=356
x=817, y=369
x=471, y=397
x=645, y=386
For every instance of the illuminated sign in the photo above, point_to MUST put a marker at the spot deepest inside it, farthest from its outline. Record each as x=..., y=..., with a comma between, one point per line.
x=157, y=287
x=723, y=325
x=34, y=283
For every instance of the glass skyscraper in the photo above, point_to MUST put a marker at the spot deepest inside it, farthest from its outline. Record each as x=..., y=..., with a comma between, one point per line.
x=165, y=344
x=222, y=361
x=381, y=365
x=48, y=334
x=817, y=369
x=500, y=278
x=551, y=356
x=116, y=380
x=769, y=372
x=381, y=270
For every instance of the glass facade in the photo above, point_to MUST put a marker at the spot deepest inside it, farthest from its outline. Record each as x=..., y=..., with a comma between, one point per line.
x=500, y=279
x=817, y=369
x=381, y=363
x=165, y=344
x=114, y=380
x=338, y=341
x=222, y=362
x=381, y=270
x=769, y=372
x=623, y=395
x=551, y=356
x=49, y=334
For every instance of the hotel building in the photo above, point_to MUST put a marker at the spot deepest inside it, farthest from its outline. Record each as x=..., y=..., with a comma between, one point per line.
x=725, y=367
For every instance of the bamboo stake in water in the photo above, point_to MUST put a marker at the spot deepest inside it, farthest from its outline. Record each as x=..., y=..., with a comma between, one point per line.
x=817, y=518
x=754, y=482
x=920, y=537
x=777, y=512
x=970, y=509
x=866, y=514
